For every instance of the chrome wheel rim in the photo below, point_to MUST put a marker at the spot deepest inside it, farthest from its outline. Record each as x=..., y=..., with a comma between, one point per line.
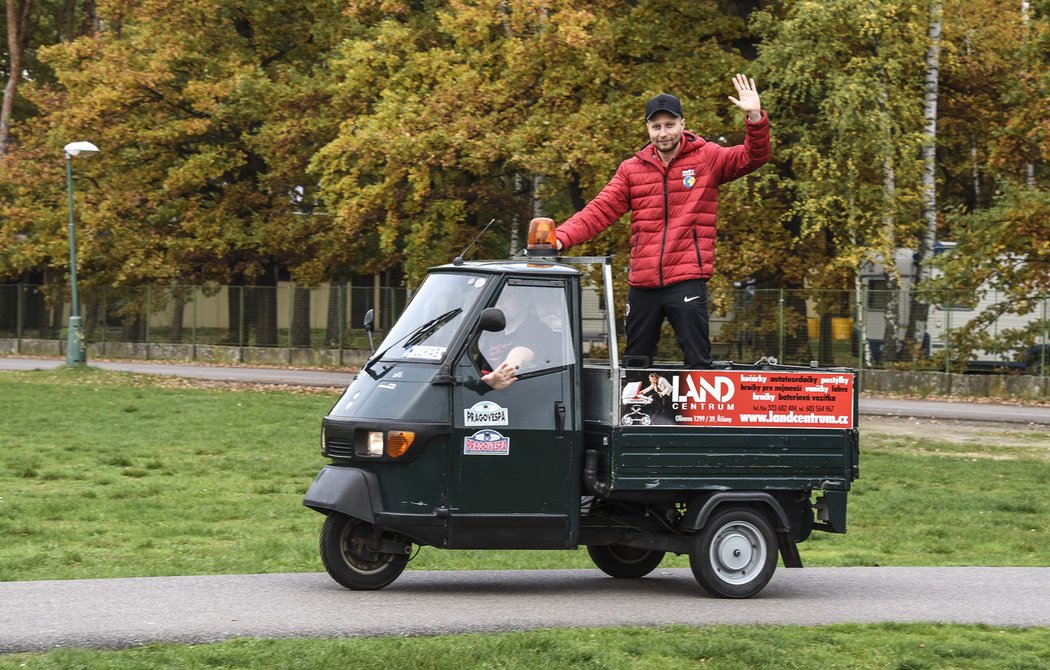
x=738, y=552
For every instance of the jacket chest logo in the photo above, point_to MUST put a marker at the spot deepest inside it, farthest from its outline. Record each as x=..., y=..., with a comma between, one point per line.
x=688, y=178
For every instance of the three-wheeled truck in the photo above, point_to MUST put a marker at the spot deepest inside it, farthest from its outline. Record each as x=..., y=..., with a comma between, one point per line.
x=730, y=465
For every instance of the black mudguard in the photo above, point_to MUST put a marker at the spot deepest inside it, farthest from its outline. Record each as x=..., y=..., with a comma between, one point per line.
x=349, y=491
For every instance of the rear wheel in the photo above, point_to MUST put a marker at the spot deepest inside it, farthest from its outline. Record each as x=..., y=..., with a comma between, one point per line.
x=624, y=562
x=734, y=555
x=358, y=555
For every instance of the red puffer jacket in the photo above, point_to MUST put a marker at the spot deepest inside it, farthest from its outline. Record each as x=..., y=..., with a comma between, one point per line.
x=673, y=208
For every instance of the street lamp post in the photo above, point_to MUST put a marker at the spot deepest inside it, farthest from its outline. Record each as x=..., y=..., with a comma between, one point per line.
x=76, y=352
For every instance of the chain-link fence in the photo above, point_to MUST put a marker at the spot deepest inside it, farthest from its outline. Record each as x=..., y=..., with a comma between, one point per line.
x=950, y=331
x=330, y=316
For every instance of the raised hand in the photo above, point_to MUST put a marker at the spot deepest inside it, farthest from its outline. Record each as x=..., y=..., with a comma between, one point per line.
x=747, y=99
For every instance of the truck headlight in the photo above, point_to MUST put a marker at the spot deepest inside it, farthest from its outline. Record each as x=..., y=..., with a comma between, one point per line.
x=322, y=439
x=375, y=443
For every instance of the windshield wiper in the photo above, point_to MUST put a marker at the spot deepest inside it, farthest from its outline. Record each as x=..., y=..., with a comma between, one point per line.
x=417, y=335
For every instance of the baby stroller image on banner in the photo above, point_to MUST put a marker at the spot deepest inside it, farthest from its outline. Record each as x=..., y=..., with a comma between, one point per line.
x=646, y=401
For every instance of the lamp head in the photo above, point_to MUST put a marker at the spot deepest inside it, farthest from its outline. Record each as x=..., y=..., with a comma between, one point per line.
x=75, y=148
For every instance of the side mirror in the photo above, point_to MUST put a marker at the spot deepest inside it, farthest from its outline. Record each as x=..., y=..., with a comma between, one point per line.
x=369, y=324
x=493, y=319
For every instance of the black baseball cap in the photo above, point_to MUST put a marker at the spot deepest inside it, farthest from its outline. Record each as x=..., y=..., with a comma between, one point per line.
x=665, y=102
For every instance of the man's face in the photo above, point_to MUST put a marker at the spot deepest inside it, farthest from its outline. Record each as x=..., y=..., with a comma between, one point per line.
x=665, y=131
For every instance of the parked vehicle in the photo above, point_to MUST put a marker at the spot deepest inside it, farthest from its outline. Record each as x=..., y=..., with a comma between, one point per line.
x=738, y=464
x=945, y=317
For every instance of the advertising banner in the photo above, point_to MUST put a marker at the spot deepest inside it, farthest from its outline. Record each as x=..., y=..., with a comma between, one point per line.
x=738, y=399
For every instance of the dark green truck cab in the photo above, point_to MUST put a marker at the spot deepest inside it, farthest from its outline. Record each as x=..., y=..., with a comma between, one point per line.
x=729, y=466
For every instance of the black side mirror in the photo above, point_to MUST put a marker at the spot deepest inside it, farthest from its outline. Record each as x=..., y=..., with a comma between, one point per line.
x=369, y=324
x=493, y=319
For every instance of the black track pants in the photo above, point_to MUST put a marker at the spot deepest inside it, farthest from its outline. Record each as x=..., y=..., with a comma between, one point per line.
x=684, y=305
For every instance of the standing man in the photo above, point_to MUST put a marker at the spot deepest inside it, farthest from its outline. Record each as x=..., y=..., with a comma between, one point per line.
x=671, y=189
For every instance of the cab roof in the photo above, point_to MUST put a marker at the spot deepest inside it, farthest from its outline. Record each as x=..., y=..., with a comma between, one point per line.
x=525, y=265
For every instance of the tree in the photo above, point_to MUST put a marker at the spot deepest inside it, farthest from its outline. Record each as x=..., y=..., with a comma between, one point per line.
x=555, y=92
x=847, y=85
x=919, y=310
x=198, y=111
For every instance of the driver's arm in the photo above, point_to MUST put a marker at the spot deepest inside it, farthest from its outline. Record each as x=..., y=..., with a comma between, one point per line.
x=506, y=372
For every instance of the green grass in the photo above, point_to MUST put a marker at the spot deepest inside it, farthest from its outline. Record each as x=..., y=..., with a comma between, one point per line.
x=844, y=647
x=113, y=475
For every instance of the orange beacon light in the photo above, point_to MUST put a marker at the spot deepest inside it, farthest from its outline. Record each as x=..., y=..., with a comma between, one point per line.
x=542, y=240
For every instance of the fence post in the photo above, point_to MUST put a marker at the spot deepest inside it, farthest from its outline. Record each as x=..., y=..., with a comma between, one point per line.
x=291, y=318
x=780, y=327
x=193, y=300
x=862, y=333
x=377, y=298
x=1042, y=349
x=149, y=314
x=103, y=319
x=948, y=340
x=240, y=322
x=20, y=319
x=341, y=289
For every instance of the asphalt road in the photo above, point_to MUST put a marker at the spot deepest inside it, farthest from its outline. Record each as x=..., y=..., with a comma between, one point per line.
x=115, y=613
x=938, y=409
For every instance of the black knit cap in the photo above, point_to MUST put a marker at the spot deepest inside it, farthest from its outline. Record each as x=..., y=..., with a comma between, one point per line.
x=665, y=102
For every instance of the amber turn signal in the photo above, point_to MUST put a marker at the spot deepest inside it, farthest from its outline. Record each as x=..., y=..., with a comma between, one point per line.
x=398, y=442
x=542, y=239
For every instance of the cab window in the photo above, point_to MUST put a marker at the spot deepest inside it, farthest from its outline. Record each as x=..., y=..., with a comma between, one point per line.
x=537, y=319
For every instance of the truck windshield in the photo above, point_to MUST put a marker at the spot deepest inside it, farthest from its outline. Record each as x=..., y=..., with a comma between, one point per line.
x=425, y=329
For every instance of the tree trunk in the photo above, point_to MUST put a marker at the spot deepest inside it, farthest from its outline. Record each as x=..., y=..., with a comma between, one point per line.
x=336, y=312
x=262, y=313
x=235, y=315
x=178, y=302
x=1026, y=10
x=300, y=328
x=919, y=311
x=17, y=38
x=890, y=343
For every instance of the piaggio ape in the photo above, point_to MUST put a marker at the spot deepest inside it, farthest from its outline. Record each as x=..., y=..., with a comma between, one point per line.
x=732, y=466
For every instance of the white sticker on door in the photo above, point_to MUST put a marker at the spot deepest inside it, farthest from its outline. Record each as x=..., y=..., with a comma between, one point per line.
x=486, y=413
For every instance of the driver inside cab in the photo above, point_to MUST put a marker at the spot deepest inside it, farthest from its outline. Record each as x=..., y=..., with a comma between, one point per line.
x=525, y=341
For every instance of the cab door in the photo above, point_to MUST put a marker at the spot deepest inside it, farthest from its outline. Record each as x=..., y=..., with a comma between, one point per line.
x=511, y=477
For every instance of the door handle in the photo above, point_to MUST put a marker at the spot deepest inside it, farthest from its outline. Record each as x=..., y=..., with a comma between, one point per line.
x=559, y=415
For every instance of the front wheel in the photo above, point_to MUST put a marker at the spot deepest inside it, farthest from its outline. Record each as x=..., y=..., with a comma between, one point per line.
x=358, y=555
x=734, y=555
x=624, y=562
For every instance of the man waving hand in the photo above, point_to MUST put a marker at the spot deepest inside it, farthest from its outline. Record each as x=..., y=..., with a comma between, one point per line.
x=671, y=189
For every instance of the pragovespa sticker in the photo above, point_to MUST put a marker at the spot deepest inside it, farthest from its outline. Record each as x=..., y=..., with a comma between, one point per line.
x=486, y=443
x=486, y=413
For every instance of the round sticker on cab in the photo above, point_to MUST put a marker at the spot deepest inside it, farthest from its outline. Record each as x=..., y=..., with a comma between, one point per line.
x=486, y=413
x=486, y=443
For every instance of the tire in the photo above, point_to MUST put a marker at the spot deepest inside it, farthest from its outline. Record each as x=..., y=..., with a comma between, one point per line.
x=735, y=554
x=624, y=562
x=343, y=539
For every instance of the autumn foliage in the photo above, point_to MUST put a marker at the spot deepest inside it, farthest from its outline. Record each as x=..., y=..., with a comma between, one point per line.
x=328, y=138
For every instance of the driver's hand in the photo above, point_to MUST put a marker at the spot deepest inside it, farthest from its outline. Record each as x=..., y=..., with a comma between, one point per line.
x=502, y=377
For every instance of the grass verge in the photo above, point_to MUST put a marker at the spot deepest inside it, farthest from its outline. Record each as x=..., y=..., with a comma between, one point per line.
x=107, y=474
x=844, y=647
